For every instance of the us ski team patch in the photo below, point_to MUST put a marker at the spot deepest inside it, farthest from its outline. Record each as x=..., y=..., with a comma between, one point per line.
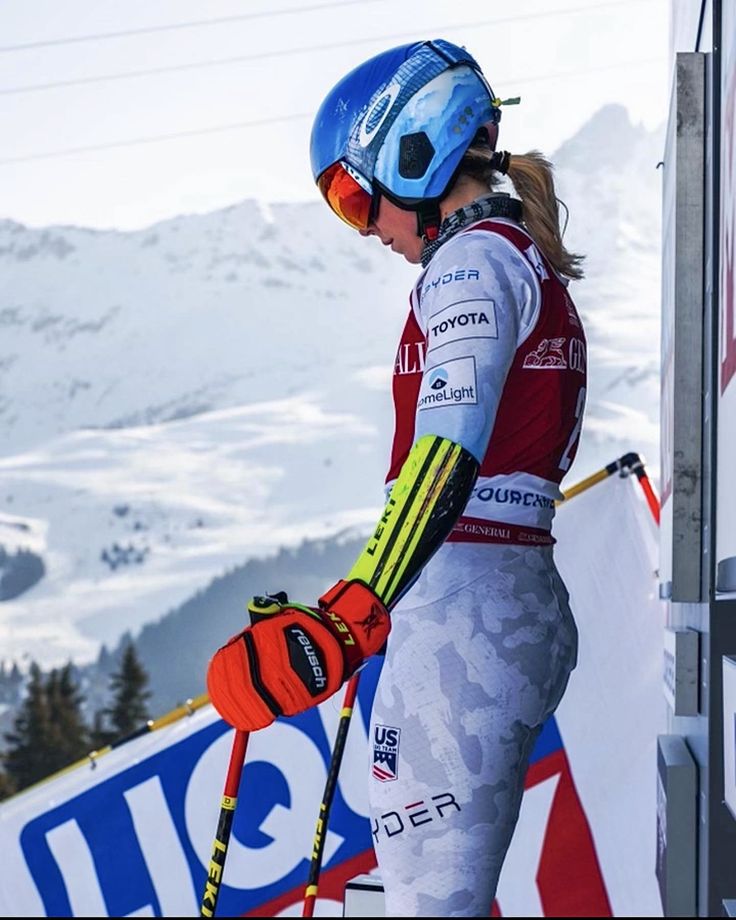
x=386, y=753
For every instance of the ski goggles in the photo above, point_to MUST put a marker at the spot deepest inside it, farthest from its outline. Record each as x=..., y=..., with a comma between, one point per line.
x=348, y=194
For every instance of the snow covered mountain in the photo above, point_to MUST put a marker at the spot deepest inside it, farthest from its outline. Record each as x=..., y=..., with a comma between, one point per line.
x=178, y=399
x=253, y=303
x=608, y=177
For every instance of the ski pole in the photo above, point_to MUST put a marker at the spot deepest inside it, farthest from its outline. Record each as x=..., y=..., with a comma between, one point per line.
x=258, y=608
x=310, y=894
x=224, y=825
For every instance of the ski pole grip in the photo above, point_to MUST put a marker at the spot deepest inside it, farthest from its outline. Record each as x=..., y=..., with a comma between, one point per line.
x=263, y=606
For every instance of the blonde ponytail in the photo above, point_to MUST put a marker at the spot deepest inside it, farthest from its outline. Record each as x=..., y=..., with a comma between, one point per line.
x=531, y=176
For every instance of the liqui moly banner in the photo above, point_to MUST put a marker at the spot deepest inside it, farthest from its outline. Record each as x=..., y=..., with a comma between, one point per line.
x=133, y=835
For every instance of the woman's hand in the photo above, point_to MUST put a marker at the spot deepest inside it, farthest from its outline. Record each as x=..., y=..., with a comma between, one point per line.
x=293, y=656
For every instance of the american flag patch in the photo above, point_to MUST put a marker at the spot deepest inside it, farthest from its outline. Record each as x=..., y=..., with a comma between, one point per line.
x=385, y=753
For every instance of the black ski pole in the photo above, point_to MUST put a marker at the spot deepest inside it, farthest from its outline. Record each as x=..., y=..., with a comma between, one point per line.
x=315, y=868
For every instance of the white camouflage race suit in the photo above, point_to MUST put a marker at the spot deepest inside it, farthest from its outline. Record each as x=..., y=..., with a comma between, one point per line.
x=493, y=357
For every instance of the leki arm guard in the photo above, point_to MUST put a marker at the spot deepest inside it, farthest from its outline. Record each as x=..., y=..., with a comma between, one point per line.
x=426, y=500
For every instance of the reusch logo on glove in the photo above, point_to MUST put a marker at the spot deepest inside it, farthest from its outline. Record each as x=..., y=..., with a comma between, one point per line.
x=305, y=658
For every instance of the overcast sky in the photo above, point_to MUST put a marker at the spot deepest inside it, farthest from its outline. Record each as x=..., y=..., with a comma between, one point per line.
x=247, y=121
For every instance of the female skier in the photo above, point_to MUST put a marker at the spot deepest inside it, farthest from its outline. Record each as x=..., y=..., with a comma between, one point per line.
x=489, y=391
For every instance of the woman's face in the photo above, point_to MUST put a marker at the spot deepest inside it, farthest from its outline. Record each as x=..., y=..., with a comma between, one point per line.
x=398, y=229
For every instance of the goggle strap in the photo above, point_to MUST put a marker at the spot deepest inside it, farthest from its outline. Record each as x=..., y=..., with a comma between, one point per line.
x=428, y=220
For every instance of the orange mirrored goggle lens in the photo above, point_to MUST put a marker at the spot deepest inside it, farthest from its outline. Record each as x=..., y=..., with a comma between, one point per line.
x=346, y=198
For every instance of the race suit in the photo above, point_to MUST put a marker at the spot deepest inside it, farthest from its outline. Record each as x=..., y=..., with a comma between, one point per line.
x=493, y=357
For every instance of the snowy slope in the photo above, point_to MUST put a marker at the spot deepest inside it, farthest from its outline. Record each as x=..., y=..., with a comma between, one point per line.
x=138, y=519
x=176, y=399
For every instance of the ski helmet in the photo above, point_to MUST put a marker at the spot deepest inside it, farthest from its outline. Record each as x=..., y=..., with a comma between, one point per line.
x=398, y=125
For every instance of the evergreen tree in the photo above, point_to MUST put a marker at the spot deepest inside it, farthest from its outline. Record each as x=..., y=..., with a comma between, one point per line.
x=49, y=731
x=69, y=735
x=128, y=711
x=11, y=684
x=7, y=786
x=16, y=679
x=100, y=734
x=104, y=660
x=26, y=760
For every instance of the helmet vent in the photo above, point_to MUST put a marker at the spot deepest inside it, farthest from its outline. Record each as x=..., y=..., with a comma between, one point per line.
x=415, y=155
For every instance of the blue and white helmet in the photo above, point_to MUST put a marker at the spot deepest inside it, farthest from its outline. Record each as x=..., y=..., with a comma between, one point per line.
x=401, y=122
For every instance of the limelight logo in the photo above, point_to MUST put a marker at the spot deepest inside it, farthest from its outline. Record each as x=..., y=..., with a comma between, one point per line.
x=438, y=379
x=451, y=383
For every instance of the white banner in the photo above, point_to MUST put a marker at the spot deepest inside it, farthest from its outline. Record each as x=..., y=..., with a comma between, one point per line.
x=614, y=706
x=133, y=835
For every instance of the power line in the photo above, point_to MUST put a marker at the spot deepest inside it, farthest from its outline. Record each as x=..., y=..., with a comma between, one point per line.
x=262, y=55
x=154, y=139
x=219, y=129
x=192, y=24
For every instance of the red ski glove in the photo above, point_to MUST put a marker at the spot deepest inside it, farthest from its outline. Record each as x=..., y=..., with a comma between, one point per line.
x=294, y=657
